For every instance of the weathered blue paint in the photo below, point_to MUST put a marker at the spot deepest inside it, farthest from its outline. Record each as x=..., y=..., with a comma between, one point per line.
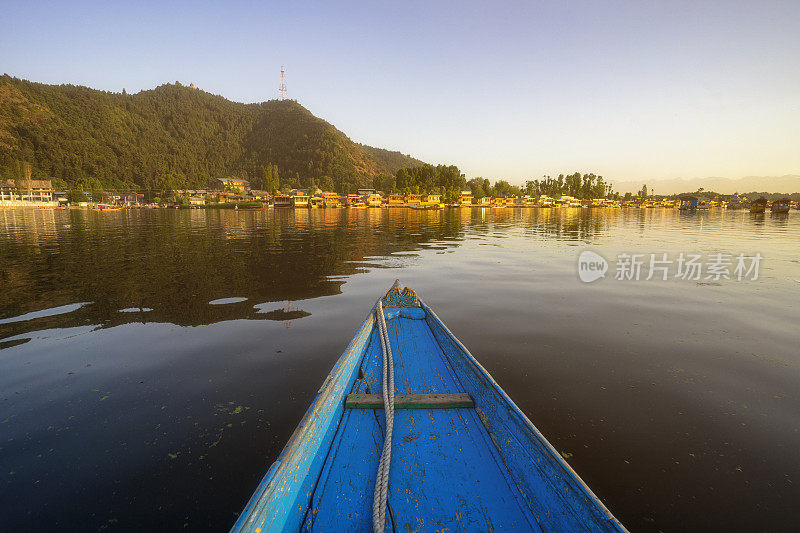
x=281, y=499
x=464, y=469
x=559, y=499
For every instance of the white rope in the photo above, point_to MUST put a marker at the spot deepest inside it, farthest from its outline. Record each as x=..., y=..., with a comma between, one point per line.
x=387, y=386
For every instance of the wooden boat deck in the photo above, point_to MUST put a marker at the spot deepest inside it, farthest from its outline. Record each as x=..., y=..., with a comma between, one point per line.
x=438, y=458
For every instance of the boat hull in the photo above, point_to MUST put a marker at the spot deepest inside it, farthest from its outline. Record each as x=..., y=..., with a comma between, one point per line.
x=482, y=467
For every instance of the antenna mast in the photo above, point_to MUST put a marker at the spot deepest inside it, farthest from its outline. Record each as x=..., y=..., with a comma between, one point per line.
x=282, y=88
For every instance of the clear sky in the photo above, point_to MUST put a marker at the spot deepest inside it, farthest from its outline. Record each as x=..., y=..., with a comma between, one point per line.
x=630, y=90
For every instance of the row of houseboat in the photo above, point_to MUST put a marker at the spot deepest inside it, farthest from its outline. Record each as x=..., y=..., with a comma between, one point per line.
x=783, y=205
x=366, y=198
x=778, y=206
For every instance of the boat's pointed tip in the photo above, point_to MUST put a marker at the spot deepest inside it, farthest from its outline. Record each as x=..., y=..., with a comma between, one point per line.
x=396, y=283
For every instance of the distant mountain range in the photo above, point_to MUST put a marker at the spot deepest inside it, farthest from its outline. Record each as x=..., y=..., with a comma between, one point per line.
x=779, y=184
x=176, y=136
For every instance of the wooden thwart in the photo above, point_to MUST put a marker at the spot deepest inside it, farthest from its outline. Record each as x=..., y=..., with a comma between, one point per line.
x=410, y=401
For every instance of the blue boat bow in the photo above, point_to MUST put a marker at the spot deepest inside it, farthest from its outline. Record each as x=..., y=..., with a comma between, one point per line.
x=478, y=465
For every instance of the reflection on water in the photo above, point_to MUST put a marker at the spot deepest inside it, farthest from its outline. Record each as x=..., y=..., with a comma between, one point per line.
x=43, y=313
x=153, y=363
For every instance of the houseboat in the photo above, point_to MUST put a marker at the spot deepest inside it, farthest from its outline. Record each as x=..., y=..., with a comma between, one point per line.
x=569, y=201
x=545, y=201
x=394, y=200
x=373, y=200
x=282, y=200
x=331, y=199
x=412, y=199
x=299, y=199
x=465, y=199
x=432, y=201
x=780, y=206
x=354, y=201
x=687, y=202
x=315, y=202
x=758, y=206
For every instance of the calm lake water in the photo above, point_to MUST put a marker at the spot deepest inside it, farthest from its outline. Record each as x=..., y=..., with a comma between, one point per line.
x=153, y=363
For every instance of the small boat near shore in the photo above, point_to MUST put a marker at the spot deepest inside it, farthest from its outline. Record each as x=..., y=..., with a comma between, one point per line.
x=108, y=207
x=758, y=206
x=409, y=406
x=781, y=206
x=687, y=202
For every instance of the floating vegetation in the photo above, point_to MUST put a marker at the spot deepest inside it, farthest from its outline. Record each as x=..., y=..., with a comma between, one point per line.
x=770, y=360
x=230, y=409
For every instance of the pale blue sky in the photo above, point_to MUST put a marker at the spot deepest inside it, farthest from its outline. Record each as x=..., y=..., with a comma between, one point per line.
x=630, y=90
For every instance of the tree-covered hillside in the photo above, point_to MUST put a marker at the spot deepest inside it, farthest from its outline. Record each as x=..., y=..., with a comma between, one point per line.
x=175, y=136
x=391, y=160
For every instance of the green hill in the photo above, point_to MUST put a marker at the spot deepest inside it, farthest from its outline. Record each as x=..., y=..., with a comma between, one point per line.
x=175, y=136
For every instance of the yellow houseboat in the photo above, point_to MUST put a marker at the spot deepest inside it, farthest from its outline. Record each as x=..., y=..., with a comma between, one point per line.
x=373, y=200
x=465, y=200
x=430, y=201
x=331, y=199
x=370, y=197
x=413, y=199
x=395, y=200
x=299, y=199
x=282, y=200
x=568, y=201
x=354, y=201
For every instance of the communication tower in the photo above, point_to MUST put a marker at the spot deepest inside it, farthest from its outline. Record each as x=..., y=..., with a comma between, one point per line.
x=282, y=88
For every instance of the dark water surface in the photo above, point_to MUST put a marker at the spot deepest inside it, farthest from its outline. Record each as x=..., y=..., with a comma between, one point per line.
x=154, y=363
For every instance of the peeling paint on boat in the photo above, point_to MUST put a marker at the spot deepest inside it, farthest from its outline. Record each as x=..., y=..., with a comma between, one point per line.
x=482, y=468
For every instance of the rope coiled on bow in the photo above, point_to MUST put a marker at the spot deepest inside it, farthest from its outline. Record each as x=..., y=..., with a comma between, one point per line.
x=387, y=387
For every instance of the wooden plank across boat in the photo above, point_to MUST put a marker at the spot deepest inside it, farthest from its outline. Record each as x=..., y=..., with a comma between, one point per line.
x=464, y=457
